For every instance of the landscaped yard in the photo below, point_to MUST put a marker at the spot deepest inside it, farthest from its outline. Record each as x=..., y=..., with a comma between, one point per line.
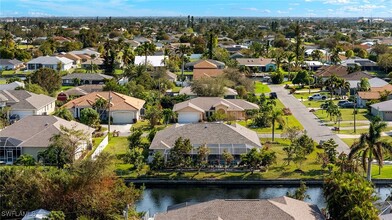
x=187, y=73
x=261, y=88
x=347, y=115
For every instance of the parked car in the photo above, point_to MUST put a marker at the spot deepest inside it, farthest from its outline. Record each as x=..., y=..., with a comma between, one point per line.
x=342, y=102
x=348, y=105
x=317, y=96
x=273, y=95
x=14, y=118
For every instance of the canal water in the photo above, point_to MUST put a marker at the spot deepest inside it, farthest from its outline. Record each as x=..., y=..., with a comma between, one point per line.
x=157, y=199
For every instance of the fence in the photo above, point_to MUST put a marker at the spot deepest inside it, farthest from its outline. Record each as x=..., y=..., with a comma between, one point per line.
x=100, y=147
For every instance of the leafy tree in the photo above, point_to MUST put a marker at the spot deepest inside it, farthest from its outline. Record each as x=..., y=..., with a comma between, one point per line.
x=362, y=53
x=370, y=145
x=299, y=193
x=380, y=49
x=47, y=78
x=302, y=78
x=317, y=55
x=179, y=154
x=290, y=59
x=91, y=184
x=56, y=215
x=158, y=161
x=168, y=115
x=135, y=139
x=25, y=160
x=385, y=61
x=208, y=87
x=100, y=105
x=64, y=113
x=153, y=115
x=349, y=53
x=277, y=77
x=227, y=158
x=364, y=84
x=136, y=158
x=34, y=88
x=152, y=134
x=202, y=155
x=89, y=117
x=302, y=146
x=349, y=196
x=182, y=51
x=256, y=158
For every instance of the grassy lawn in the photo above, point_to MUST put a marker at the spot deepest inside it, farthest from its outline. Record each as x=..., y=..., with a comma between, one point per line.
x=188, y=73
x=13, y=72
x=261, y=88
x=3, y=81
x=310, y=169
x=176, y=89
x=117, y=145
x=64, y=88
x=347, y=115
x=118, y=71
x=145, y=126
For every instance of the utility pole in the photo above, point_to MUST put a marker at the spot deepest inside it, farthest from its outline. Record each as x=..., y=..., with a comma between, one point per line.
x=355, y=112
x=110, y=99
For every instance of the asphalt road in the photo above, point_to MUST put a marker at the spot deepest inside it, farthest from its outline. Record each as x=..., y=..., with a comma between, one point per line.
x=309, y=121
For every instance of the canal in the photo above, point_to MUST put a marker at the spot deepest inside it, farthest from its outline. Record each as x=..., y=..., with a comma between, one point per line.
x=157, y=199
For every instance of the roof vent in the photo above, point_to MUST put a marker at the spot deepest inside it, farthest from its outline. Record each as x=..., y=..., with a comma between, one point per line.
x=205, y=126
x=46, y=125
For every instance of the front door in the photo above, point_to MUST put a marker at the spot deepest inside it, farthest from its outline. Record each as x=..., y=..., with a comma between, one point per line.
x=10, y=157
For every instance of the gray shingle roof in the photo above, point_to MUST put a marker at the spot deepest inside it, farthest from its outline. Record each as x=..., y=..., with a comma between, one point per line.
x=50, y=60
x=383, y=106
x=87, y=76
x=282, y=208
x=205, y=133
x=40, y=129
x=21, y=99
x=207, y=104
x=5, y=62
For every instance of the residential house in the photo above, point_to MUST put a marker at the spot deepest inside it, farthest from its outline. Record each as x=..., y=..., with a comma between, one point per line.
x=155, y=61
x=172, y=77
x=201, y=108
x=89, y=62
x=234, y=48
x=12, y=86
x=8, y=64
x=75, y=58
x=218, y=137
x=32, y=135
x=258, y=64
x=206, y=68
x=328, y=71
x=85, y=78
x=229, y=92
x=190, y=66
x=51, y=62
x=355, y=78
x=364, y=64
x=313, y=65
x=87, y=51
x=382, y=110
x=123, y=109
x=79, y=91
x=373, y=94
x=24, y=103
x=244, y=209
x=237, y=55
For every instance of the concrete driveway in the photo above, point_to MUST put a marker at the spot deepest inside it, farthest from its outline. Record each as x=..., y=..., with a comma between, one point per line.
x=125, y=130
x=314, y=128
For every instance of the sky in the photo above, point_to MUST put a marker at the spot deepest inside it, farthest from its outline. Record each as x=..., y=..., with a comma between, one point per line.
x=243, y=8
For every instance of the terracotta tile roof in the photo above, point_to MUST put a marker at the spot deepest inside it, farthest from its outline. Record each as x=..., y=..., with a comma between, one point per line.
x=199, y=73
x=369, y=95
x=387, y=87
x=282, y=208
x=207, y=103
x=327, y=71
x=205, y=64
x=119, y=101
x=357, y=76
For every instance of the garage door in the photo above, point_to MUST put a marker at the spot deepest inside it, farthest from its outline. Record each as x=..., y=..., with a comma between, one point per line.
x=22, y=114
x=123, y=117
x=387, y=116
x=188, y=117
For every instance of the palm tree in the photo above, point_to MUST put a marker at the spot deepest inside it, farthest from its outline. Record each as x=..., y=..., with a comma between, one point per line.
x=182, y=50
x=370, y=145
x=145, y=49
x=364, y=84
x=276, y=116
x=331, y=83
x=316, y=55
x=290, y=59
x=343, y=85
x=128, y=55
x=335, y=59
x=64, y=113
x=278, y=55
x=168, y=115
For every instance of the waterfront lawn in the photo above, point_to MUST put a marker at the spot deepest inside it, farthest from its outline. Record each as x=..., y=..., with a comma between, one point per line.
x=386, y=172
x=261, y=88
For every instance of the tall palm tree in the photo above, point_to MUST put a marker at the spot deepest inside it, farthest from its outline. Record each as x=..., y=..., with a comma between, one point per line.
x=316, y=55
x=290, y=58
x=182, y=50
x=128, y=55
x=278, y=55
x=276, y=116
x=343, y=85
x=331, y=83
x=370, y=145
x=146, y=49
x=364, y=84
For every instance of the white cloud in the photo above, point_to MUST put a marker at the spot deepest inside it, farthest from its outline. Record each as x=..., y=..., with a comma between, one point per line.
x=337, y=2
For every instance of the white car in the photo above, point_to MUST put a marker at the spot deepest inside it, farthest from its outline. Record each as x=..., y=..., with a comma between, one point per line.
x=317, y=96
